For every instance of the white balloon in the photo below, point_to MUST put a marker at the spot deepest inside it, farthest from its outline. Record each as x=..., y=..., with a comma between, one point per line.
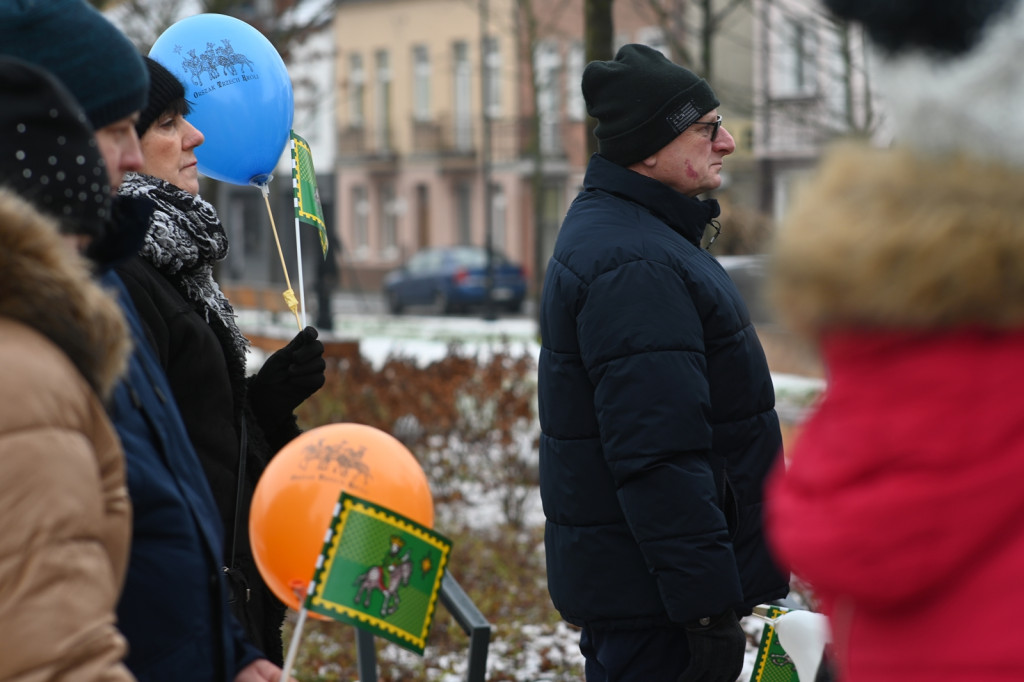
x=803, y=634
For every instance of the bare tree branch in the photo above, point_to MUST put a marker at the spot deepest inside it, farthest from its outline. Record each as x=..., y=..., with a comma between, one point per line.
x=284, y=22
x=668, y=15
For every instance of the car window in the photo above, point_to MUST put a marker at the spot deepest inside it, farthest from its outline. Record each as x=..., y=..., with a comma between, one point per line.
x=469, y=258
x=434, y=261
x=422, y=262
x=475, y=257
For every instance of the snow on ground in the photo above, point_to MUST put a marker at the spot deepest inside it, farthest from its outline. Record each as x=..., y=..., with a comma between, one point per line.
x=423, y=338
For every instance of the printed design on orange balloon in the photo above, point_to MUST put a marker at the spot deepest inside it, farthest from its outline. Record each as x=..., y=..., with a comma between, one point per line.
x=341, y=461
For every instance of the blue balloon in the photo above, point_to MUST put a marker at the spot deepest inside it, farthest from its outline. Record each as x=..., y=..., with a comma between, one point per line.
x=240, y=92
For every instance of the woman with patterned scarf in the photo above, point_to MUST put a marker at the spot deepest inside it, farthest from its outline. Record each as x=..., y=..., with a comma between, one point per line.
x=192, y=326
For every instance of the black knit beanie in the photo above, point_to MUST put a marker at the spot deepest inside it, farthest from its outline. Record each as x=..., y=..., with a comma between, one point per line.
x=166, y=92
x=78, y=45
x=48, y=153
x=642, y=101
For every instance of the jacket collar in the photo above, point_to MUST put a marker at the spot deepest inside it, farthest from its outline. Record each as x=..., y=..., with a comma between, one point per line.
x=685, y=215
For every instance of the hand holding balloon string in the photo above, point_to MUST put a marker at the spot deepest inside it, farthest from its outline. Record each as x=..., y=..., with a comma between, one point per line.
x=288, y=377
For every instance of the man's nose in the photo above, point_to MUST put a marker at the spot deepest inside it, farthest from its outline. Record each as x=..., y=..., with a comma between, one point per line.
x=724, y=141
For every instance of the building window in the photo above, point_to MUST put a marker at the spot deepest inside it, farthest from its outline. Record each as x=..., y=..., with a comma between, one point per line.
x=360, y=223
x=383, y=103
x=463, y=207
x=548, y=64
x=575, y=107
x=388, y=222
x=463, y=93
x=420, y=83
x=492, y=72
x=795, y=69
x=357, y=91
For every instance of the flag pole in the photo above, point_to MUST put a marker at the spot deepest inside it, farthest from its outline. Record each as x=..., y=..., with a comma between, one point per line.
x=293, y=646
x=298, y=239
x=289, y=295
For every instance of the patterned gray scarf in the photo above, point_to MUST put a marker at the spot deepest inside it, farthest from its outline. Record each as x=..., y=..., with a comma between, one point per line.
x=184, y=240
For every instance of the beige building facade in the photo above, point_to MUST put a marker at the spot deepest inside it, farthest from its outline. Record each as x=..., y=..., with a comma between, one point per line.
x=452, y=126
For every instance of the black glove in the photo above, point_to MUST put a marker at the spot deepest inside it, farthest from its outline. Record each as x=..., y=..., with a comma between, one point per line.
x=288, y=377
x=717, y=646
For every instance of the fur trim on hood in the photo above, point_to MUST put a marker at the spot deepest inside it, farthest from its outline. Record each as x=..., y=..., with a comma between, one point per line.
x=46, y=287
x=887, y=239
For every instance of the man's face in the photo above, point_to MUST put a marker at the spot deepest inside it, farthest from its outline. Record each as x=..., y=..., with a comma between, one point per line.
x=691, y=164
x=119, y=146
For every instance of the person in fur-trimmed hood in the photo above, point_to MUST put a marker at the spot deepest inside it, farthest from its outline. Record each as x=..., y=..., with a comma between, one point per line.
x=63, y=346
x=901, y=505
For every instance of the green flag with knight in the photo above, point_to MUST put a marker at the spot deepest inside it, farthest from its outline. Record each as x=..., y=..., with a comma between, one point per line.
x=379, y=571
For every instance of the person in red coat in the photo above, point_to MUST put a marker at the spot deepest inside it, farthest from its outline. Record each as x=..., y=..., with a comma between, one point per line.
x=901, y=505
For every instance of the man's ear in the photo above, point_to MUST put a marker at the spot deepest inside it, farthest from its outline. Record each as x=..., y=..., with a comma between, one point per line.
x=644, y=166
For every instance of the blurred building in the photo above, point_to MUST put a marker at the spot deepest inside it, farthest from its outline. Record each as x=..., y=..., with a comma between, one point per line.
x=459, y=118
x=438, y=122
x=812, y=85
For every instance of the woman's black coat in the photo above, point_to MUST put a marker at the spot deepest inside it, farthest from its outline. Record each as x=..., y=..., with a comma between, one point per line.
x=208, y=379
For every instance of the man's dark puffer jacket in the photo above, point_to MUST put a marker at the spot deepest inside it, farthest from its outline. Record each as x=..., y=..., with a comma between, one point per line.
x=657, y=415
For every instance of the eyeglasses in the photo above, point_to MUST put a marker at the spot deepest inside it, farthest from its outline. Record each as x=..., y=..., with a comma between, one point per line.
x=717, y=123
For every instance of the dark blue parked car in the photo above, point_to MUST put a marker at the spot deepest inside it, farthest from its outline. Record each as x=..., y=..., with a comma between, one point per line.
x=453, y=279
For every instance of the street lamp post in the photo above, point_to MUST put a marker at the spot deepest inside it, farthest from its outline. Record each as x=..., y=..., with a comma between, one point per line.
x=485, y=160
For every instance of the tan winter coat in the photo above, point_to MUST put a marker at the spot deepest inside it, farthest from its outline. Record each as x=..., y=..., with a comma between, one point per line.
x=63, y=501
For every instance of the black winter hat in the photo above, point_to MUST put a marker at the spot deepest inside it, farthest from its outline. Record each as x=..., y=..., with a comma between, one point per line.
x=642, y=101
x=78, y=45
x=166, y=93
x=48, y=153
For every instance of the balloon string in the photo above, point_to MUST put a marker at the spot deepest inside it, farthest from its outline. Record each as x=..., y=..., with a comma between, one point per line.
x=293, y=646
x=289, y=299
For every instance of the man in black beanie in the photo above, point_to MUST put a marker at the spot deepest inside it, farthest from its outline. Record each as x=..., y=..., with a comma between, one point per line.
x=656, y=403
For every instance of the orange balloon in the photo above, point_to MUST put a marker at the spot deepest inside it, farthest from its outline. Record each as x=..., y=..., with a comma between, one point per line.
x=295, y=497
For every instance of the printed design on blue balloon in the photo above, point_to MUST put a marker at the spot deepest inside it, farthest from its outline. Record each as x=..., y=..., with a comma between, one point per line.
x=240, y=91
x=223, y=56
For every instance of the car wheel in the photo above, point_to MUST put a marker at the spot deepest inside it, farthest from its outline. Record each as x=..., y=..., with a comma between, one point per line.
x=394, y=304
